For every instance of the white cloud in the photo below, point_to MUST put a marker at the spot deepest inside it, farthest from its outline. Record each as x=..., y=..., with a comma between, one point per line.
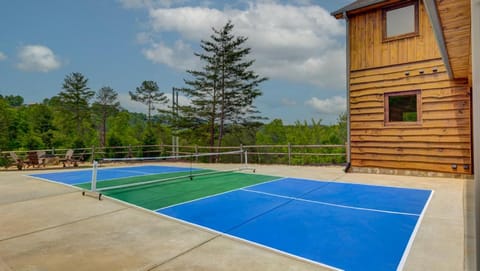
x=143, y=38
x=133, y=106
x=288, y=102
x=145, y=3
x=2, y=56
x=179, y=57
x=296, y=43
x=330, y=106
x=37, y=58
x=193, y=23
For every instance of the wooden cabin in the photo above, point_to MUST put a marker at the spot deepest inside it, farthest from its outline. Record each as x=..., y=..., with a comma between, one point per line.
x=409, y=86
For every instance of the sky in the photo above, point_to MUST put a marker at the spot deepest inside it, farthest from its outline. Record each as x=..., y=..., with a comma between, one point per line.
x=297, y=44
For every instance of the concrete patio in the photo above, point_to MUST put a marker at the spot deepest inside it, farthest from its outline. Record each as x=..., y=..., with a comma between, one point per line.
x=48, y=226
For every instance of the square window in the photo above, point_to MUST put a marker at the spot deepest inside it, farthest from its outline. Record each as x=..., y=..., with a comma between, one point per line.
x=403, y=107
x=400, y=21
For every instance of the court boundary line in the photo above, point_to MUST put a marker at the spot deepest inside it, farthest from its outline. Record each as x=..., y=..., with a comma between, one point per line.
x=337, y=180
x=102, y=169
x=217, y=233
x=135, y=176
x=70, y=185
x=243, y=223
x=334, y=180
x=407, y=249
x=148, y=174
x=54, y=182
x=250, y=242
x=330, y=204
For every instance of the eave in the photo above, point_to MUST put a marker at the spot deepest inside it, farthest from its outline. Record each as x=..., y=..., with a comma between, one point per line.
x=431, y=7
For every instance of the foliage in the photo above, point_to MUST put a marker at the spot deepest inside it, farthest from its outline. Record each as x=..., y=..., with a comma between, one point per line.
x=7, y=129
x=40, y=117
x=39, y=126
x=303, y=133
x=223, y=92
x=221, y=113
x=5, y=161
x=13, y=100
x=106, y=104
x=149, y=94
x=74, y=104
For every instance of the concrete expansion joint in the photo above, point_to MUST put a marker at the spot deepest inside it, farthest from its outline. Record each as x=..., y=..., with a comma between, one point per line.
x=153, y=266
x=44, y=197
x=61, y=225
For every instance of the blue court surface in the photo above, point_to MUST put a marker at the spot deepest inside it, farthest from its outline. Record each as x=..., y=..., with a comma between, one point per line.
x=339, y=225
x=83, y=176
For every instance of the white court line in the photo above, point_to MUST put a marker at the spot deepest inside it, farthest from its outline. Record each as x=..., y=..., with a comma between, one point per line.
x=144, y=174
x=128, y=171
x=55, y=182
x=330, y=204
x=218, y=194
x=249, y=242
x=414, y=233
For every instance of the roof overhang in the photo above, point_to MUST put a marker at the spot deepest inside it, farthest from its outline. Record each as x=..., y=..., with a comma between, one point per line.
x=432, y=11
x=360, y=6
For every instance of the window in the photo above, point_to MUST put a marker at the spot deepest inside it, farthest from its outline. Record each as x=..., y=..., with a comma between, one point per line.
x=400, y=21
x=403, y=107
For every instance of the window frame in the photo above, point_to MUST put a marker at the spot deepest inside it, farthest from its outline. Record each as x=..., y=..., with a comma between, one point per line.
x=401, y=36
x=387, y=121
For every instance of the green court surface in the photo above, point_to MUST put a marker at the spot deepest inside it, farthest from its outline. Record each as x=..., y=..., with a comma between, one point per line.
x=166, y=193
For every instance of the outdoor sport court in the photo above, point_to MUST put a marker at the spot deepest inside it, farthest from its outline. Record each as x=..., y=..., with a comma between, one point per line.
x=339, y=225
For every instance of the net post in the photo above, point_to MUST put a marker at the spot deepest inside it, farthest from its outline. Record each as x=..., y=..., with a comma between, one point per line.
x=94, y=176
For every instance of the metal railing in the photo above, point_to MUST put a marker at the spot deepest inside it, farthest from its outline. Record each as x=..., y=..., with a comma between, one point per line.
x=289, y=154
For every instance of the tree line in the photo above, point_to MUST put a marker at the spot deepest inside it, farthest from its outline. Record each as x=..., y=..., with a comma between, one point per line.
x=221, y=111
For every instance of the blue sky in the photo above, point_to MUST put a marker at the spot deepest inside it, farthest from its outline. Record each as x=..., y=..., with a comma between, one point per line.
x=120, y=43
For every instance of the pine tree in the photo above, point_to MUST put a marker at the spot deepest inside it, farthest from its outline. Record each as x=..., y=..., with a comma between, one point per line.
x=223, y=92
x=106, y=103
x=149, y=94
x=75, y=99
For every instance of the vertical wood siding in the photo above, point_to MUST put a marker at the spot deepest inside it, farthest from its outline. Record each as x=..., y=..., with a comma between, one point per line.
x=443, y=137
x=369, y=51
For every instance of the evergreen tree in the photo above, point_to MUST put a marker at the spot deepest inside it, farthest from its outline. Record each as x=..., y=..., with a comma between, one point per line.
x=149, y=94
x=106, y=103
x=222, y=92
x=75, y=99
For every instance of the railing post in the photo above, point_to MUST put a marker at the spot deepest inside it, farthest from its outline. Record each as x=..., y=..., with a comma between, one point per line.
x=241, y=152
x=289, y=153
x=177, y=145
x=196, y=153
x=93, y=154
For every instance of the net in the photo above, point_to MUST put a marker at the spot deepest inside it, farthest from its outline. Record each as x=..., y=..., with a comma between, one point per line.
x=189, y=157
x=152, y=178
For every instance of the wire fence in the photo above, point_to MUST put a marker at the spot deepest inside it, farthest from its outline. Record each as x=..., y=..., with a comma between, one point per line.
x=288, y=154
